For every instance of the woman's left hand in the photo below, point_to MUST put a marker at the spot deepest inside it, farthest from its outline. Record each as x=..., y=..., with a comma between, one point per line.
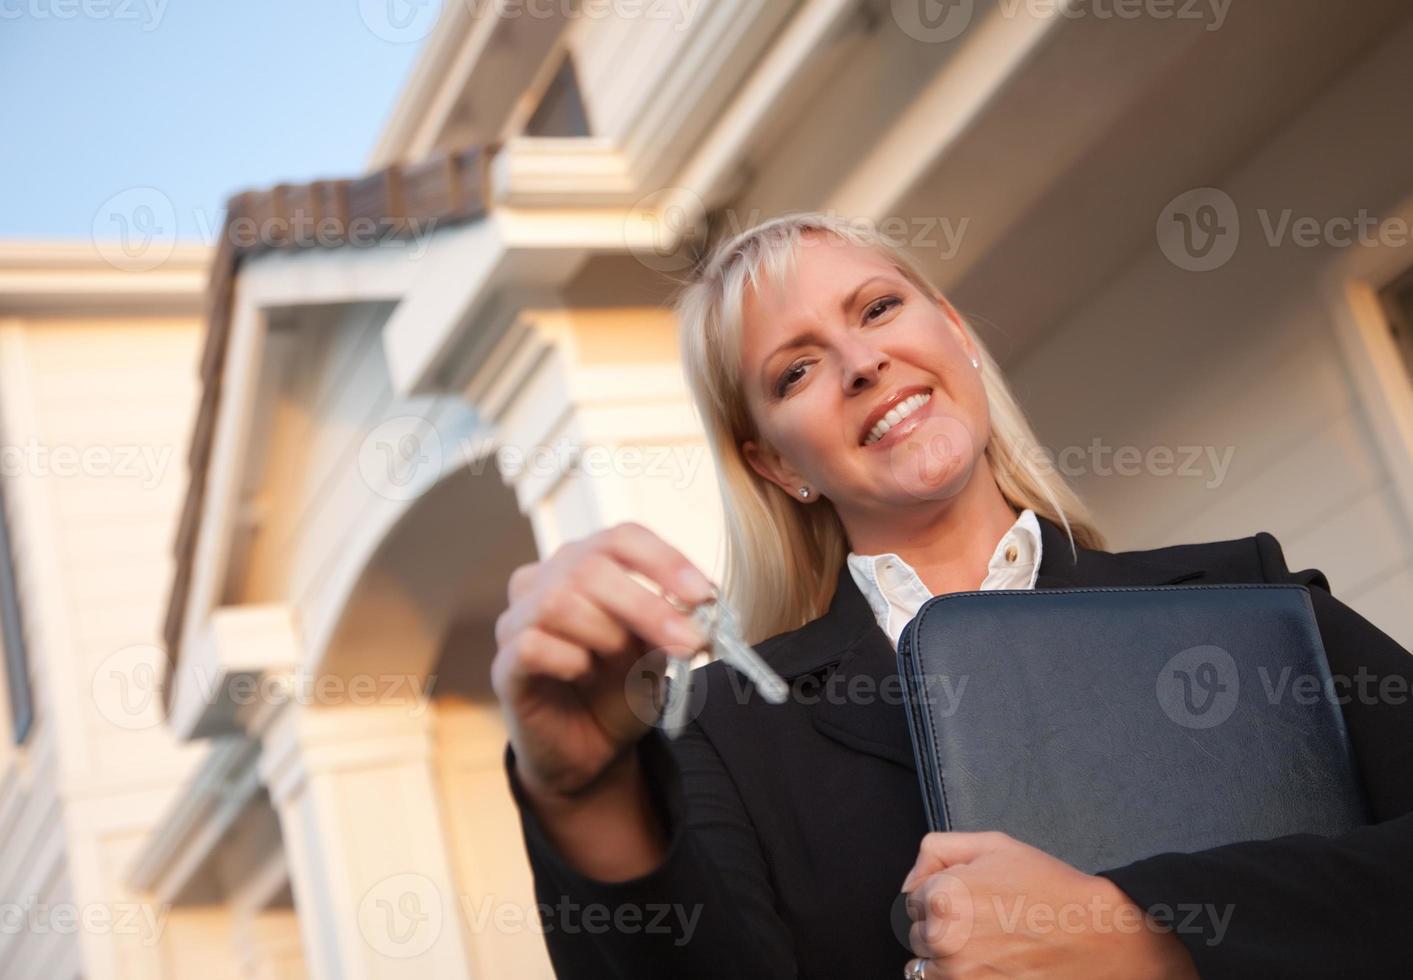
x=984, y=904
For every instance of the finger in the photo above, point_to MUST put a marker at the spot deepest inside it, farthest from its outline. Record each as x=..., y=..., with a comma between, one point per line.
x=570, y=615
x=534, y=653
x=597, y=604
x=932, y=896
x=941, y=850
x=649, y=616
x=635, y=547
x=521, y=580
x=947, y=918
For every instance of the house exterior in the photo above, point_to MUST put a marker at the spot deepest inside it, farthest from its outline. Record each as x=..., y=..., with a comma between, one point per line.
x=1183, y=229
x=97, y=400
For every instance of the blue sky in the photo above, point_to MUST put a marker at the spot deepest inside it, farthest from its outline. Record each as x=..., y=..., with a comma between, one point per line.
x=196, y=98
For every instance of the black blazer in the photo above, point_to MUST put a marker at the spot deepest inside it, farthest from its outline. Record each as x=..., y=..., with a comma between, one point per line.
x=792, y=826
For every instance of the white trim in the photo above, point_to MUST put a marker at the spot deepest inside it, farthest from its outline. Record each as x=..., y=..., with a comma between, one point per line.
x=1381, y=384
x=264, y=284
x=241, y=645
x=605, y=170
x=809, y=48
x=551, y=171
x=472, y=73
x=39, y=279
x=208, y=806
x=49, y=623
x=679, y=99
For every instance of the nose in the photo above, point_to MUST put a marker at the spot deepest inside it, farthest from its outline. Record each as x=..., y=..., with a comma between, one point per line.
x=863, y=364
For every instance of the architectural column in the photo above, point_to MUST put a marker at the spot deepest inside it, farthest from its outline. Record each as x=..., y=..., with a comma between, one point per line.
x=368, y=861
x=498, y=904
x=595, y=426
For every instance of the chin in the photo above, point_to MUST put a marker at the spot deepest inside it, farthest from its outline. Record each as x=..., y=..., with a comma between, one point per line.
x=934, y=462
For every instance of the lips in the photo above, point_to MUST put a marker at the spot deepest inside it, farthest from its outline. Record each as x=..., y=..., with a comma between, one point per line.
x=892, y=411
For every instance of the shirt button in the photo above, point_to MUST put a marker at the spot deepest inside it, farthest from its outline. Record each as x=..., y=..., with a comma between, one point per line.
x=1011, y=552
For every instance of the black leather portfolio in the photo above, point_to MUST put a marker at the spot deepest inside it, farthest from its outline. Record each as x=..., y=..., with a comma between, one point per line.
x=1104, y=725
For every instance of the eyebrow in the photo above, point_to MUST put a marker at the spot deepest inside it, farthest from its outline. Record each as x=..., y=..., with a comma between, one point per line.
x=808, y=337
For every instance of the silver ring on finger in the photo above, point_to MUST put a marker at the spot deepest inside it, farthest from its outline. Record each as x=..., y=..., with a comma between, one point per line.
x=915, y=970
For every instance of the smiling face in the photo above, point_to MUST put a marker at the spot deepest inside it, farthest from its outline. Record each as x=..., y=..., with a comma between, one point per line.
x=860, y=384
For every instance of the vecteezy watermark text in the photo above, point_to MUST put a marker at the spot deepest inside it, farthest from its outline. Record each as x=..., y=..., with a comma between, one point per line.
x=147, y=464
x=140, y=919
x=402, y=916
x=403, y=456
x=1200, y=229
x=938, y=21
x=148, y=12
x=1098, y=458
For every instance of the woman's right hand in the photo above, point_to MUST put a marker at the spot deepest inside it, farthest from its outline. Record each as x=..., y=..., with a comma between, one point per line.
x=579, y=652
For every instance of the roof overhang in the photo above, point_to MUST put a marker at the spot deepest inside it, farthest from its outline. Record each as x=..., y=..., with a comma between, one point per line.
x=72, y=279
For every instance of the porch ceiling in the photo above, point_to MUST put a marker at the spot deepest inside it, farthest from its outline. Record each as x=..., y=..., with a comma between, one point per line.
x=1063, y=177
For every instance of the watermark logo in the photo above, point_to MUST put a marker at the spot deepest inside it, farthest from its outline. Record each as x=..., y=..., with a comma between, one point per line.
x=401, y=457
x=401, y=916
x=400, y=21
x=127, y=687
x=658, y=228
x=135, y=230
x=933, y=21
x=1199, y=230
x=939, y=914
x=646, y=687
x=1199, y=687
x=934, y=460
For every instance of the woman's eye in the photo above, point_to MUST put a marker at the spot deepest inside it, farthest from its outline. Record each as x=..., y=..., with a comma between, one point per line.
x=789, y=377
x=882, y=306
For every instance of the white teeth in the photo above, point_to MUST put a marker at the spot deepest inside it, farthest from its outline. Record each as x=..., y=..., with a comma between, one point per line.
x=895, y=415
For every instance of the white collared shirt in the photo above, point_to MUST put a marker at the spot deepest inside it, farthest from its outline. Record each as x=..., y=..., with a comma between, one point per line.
x=895, y=593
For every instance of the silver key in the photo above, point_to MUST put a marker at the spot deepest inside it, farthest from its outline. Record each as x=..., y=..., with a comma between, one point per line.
x=716, y=621
x=729, y=646
x=679, y=688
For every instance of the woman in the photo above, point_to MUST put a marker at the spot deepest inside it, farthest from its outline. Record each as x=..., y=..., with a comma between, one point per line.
x=871, y=455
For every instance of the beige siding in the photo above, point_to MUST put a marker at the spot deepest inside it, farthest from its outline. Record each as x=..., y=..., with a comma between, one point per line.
x=96, y=415
x=1247, y=357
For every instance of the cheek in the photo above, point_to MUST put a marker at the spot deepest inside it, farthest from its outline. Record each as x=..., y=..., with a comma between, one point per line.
x=800, y=426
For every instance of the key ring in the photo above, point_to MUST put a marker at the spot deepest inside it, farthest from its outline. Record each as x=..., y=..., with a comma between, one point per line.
x=707, y=625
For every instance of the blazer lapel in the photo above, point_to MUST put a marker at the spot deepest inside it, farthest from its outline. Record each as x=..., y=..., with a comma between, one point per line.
x=1062, y=568
x=859, y=703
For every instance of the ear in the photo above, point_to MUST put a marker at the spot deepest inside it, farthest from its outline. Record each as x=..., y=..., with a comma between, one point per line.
x=772, y=466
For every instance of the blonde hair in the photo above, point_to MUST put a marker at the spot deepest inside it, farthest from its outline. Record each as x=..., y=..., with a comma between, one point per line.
x=783, y=559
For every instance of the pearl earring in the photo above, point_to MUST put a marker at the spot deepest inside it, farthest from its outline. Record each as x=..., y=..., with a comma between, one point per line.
x=805, y=492
x=975, y=362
